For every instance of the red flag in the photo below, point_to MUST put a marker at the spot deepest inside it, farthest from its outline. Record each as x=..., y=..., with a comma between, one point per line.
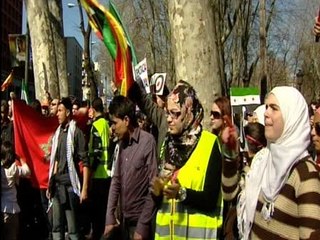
x=32, y=136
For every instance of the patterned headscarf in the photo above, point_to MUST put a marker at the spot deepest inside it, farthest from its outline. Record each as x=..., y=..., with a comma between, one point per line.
x=179, y=148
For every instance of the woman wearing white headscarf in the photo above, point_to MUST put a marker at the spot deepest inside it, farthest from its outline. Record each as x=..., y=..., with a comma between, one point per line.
x=280, y=197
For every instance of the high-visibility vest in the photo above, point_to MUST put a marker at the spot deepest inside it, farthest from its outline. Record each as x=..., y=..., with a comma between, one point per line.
x=101, y=125
x=178, y=221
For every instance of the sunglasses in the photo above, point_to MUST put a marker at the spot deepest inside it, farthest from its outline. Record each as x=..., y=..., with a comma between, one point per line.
x=215, y=114
x=172, y=114
x=316, y=127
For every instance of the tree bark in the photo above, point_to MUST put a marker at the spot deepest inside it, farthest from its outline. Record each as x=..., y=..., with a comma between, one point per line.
x=56, y=20
x=194, y=48
x=48, y=49
x=86, y=33
x=263, y=49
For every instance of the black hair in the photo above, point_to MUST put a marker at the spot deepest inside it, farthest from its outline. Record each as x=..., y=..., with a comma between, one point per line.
x=36, y=105
x=255, y=131
x=121, y=106
x=76, y=101
x=7, y=154
x=165, y=91
x=97, y=105
x=66, y=102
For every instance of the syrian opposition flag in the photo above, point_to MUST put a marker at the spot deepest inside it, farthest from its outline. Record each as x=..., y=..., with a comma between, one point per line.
x=32, y=137
x=7, y=82
x=244, y=96
x=107, y=25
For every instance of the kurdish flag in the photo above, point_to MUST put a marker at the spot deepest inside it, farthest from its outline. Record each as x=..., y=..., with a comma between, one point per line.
x=107, y=25
x=244, y=96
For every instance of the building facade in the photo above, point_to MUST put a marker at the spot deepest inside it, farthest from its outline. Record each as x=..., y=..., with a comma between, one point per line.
x=11, y=23
x=74, y=66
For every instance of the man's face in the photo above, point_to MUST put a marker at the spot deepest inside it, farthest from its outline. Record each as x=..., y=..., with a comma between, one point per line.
x=54, y=107
x=63, y=114
x=4, y=113
x=274, y=124
x=75, y=109
x=91, y=113
x=120, y=127
x=315, y=132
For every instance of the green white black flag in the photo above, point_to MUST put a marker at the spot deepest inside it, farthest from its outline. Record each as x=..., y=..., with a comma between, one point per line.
x=244, y=96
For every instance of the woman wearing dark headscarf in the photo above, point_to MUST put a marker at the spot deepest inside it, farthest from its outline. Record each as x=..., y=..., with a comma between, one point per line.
x=189, y=181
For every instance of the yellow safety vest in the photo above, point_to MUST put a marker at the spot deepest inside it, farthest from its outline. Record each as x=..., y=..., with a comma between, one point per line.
x=103, y=130
x=176, y=221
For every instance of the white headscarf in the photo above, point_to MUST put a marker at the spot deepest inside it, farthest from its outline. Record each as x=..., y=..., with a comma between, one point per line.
x=271, y=166
x=259, y=111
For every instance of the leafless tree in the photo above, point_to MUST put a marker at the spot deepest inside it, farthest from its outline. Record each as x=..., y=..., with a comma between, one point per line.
x=48, y=49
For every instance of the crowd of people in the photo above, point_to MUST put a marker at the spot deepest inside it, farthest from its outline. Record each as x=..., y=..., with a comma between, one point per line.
x=156, y=173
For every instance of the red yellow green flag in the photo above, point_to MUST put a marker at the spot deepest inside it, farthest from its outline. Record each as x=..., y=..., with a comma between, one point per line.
x=109, y=29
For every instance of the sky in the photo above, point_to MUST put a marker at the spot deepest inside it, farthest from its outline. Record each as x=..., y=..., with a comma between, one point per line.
x=71, y=22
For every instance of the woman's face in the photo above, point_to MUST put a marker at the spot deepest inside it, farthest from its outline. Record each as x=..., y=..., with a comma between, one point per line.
x=216, y=118
x=315, y=133
x=175, y=117
x=274, y=123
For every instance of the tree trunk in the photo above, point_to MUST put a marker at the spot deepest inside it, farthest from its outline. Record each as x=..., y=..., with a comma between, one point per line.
x=194, y=49
x=48, y=49
x=263, y=50
x=56, y=19
x=86, y=33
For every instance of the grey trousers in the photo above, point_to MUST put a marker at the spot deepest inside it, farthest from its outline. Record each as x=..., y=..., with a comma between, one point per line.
x=66, y=209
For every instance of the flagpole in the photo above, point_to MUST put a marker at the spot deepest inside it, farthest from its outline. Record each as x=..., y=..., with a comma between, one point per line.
x=26, y=66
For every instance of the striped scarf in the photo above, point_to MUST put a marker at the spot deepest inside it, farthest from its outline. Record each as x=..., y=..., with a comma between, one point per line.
x=70, y=150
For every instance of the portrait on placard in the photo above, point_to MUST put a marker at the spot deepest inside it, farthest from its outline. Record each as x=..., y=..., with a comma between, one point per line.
x=18, y=47
x=141, y=70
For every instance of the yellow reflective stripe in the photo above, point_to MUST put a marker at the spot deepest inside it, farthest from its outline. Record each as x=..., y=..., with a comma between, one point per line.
x=179, y=208
x=186, y=232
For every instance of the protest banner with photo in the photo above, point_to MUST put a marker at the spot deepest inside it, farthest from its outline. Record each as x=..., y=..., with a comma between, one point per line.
x=158, y=80
x=18, y=47
x=142, y=72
